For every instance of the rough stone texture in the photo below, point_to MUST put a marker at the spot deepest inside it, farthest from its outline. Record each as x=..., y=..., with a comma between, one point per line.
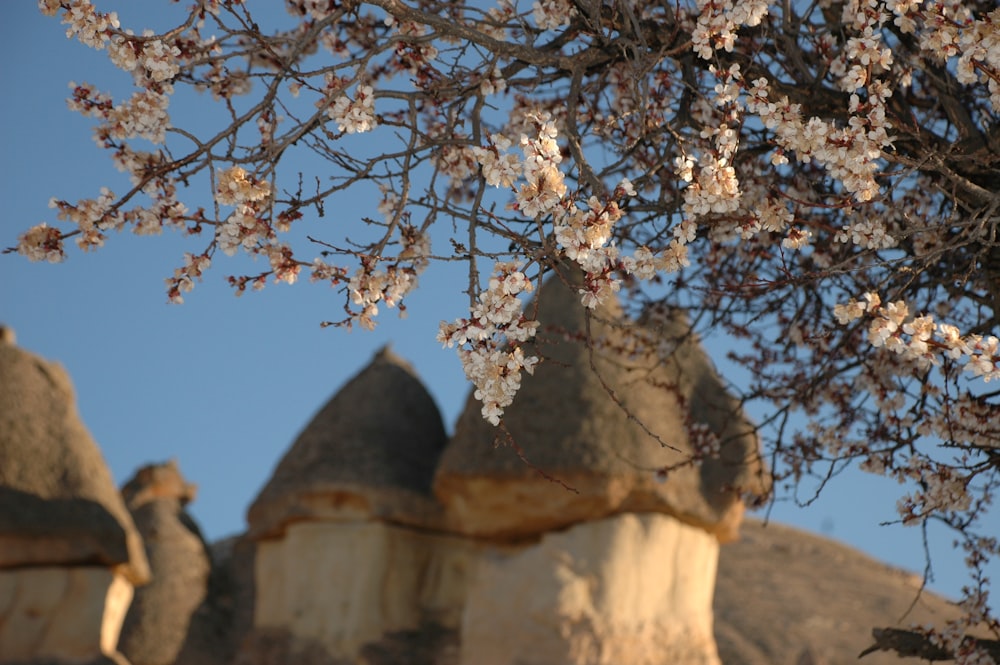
x=61, y=614
x=633, y=589
x=58, y=503
x=567, y=422
x=163, y=614
x=276, y=646
x=158, y=481
x=70, y=554
x=783, y=595
x=347, y=586
x=369, y=453
x=232, y=590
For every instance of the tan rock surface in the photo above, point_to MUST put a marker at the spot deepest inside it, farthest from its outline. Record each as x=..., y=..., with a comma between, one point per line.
x=782, y=593
x=369, y=453
x=633, y=589
x=61, y=613
x=58, y=503
x=567, y=422
x=340, y=588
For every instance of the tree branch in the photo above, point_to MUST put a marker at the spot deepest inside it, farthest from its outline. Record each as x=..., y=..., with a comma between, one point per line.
x=910, y=644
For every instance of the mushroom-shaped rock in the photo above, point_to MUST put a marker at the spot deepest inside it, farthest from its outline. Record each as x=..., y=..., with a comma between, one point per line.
x=620, y=420
x=345, y=562
x=369, y=453
x=69, y=551
x=171, y=612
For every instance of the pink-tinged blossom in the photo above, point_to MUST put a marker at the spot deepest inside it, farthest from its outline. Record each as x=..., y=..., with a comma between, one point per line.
x=91, y=27
x=489, y=341
x=184, y=277
x=235, y=186
x=552, y=14
x=369, y=287
x=920, y=340
x=243, y=228
x=41, y=243
x=357, y=115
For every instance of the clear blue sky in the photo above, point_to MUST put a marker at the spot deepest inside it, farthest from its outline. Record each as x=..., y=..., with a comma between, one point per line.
x=225, y=384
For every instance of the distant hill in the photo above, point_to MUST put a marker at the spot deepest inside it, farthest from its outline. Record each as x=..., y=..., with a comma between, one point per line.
x=787, y=597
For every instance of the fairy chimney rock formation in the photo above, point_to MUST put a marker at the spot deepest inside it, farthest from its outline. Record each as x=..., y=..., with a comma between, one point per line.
x=162, y=618
x=614, y=435
x=370, y=453
x=339, y=568
x=70, y=554
x=605, y=525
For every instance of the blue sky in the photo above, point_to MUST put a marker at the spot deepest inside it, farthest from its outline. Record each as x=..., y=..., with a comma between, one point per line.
x=225, y=384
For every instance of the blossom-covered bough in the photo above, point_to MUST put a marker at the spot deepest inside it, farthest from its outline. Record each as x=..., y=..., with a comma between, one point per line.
x=818, y=179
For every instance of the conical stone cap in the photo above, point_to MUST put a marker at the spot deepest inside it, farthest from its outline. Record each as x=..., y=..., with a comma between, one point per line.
x=569, y=422
x=58, y=502
x=370, y=453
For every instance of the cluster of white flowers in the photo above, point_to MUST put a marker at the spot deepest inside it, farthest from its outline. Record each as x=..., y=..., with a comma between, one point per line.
x=41, y=243
x=159, y=61
x=920, y=339
x=552, y=14
x=454, y=160
x=772, y=215
x=369, y=286
x=166, y=211
x=870, y=233
x=718, y=22
x=235, y=186
x=849, y=154
x=583, y=233
x=243, y=228
x=143, y=115
x=91, y=27
x=136, y=163
x=865, y=55
x=92, y=217
x=948, y=29
x=153, y=62
x=714, y=188
x=499, y=168
x=493, y=82
x=489, y=341
x=545, y=185
x=357, y=115
x=585, y=237
x=183, y=280
x=284, y=267
x=324, y=272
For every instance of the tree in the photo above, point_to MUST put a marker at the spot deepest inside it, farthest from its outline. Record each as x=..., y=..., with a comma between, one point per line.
x=820, y=180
